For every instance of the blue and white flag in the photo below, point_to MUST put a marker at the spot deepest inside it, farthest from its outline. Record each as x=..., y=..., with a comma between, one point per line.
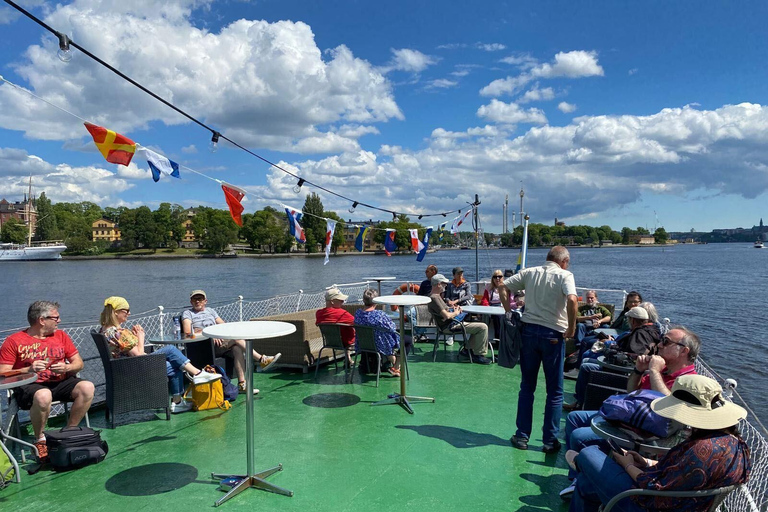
x=424, y=244
x=159, y=164
x=294, y=216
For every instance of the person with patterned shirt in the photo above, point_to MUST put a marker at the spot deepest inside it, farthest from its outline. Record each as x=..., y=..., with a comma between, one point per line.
x=49, y=352
x=386, y=341
x=713, y=456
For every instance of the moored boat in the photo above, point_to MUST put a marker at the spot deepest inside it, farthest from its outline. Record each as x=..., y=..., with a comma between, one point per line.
x=39, y=252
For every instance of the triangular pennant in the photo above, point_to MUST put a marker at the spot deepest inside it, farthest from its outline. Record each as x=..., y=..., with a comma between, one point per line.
x=233, y=196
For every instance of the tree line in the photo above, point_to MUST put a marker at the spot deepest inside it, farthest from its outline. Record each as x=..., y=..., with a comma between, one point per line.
x=265, y=230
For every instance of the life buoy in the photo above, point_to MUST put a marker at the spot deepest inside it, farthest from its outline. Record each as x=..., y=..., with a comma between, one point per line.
x=405, y=288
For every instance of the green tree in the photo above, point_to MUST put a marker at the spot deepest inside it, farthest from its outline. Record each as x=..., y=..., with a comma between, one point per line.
x=312, y=222
x=660, y=236
x=47, y=228
x=14, y=231
x=149, y=234
x=266, y=228
x=129, y=238
x=220, y=230
x=168, y=220
x=625, y=234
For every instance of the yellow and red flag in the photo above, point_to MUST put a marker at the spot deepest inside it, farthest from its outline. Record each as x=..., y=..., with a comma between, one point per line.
x=234, y=195
x=116, y=148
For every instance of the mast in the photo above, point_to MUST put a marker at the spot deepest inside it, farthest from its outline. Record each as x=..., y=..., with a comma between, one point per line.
x=476, y=226
x=29, y=213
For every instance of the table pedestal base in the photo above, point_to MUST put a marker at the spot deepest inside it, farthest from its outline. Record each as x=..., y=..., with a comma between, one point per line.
x=403, y=401
x=254, y=481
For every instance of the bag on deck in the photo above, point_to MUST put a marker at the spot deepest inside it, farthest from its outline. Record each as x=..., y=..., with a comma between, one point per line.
x=75, y=447
x=634, y=410
x=230, y=389
x=510, y=340
x=6, y=470
x=207, y=396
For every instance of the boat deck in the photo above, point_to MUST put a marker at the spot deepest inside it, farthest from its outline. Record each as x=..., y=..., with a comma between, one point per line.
x=338, y=452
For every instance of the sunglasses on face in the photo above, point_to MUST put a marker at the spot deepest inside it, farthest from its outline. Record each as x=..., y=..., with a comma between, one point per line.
x=665, y=341
x=54, y=318
x=126, y=311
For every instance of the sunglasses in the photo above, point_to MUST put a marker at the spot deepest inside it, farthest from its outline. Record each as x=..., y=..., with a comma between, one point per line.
x=198, y=299
x=667, y=341
x=56, y=318
x=127, y=311
x=497, y=277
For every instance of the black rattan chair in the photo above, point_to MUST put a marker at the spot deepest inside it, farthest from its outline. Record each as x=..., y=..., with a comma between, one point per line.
x=601, y=385
x=133, y=383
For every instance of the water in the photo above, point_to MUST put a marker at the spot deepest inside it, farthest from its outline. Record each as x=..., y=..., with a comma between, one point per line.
x=716, y=290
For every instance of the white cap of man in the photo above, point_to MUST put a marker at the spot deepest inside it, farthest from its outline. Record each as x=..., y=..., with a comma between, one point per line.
x=638, y=312
x=335, y=294
x=439, y=278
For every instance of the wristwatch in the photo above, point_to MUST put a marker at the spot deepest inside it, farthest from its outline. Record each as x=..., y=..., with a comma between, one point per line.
x=637, y=371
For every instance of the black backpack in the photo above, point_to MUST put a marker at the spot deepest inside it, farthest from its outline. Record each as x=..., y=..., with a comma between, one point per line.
x=75, y=447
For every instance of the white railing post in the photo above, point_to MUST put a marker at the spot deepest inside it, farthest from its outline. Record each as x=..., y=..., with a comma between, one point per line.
x=240, y=303
x=161, y=308
x=298, y=301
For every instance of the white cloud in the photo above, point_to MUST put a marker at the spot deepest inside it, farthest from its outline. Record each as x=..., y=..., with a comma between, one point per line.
x=189, y=150
x=632, y=71
x=575, y=64
x=413, y=61
x=490, y=47
x=60, y=182
x=442, y=83
x=522, y=60
x=565, y=107
x=264, y=84
x=510, y=113
x=460, y=73
x=356, y=131
x=536, y=94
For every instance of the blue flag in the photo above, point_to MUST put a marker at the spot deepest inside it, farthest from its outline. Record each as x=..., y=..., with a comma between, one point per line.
x=159, y=164
x=424, y=242
x=360, y=237
x=389, y=242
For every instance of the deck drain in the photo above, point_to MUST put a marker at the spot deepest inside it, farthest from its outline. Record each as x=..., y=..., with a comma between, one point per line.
x=331, y=400
x=151, y=479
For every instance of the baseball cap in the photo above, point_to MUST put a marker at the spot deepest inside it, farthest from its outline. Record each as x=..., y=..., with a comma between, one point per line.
x=438, y=278
x=335, y=294
x=198, y=292
x=638, y=312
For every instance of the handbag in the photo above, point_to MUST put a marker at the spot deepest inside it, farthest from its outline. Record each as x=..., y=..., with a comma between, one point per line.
x=634, y=410
x=209, y=395
x=510, y=340
x=75, y=447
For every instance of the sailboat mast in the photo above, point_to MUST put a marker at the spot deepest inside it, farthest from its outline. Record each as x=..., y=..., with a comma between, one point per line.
x=29, y=213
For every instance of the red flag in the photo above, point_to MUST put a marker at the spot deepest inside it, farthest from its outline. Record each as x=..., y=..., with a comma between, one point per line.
x=234, y=195
x=116, y=148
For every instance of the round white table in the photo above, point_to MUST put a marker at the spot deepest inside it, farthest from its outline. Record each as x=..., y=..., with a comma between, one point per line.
x=379, y=280
x=14, y=381
x=486, y=310
x=249, y=331
x=402, y=398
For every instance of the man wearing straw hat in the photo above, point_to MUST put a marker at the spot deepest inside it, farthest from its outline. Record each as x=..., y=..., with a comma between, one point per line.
x=714, y=456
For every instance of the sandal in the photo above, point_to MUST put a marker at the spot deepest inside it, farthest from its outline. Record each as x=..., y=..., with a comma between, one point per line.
x=394, y=372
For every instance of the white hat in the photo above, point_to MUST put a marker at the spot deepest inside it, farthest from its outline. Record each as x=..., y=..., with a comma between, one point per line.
x=335, y=294
x=638, y=312
x=438, y=278
x=697, y=401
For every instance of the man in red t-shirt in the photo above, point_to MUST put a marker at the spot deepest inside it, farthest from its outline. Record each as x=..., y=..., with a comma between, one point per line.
x=50, y=353
x=333, y=313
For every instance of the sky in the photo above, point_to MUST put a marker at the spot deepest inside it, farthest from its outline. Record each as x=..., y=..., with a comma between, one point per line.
x=620, y=113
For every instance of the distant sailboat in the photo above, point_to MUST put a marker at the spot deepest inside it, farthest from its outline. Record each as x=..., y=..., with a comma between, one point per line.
x=26, y=252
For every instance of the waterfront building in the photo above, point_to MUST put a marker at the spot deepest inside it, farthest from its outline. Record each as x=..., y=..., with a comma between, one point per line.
x=188, y=240
x=105, y=230
x=18, y=210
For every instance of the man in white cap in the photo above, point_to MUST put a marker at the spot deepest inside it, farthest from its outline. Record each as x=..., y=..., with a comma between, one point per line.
x=199, y=316
x=446, y=319
x=333, y=313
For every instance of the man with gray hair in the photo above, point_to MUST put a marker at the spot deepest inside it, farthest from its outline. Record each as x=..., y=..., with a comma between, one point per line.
x=50, y=353
x=550, y=315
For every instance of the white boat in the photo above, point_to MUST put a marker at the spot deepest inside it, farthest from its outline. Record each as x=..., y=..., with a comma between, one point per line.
x=48, y=250
x=758, y=244
x=42, y=251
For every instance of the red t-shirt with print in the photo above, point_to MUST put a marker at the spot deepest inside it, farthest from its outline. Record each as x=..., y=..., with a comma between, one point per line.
x=21, y=349
x=337, y=316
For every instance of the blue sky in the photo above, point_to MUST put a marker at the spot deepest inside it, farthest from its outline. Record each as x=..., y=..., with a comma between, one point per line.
x=606, y=111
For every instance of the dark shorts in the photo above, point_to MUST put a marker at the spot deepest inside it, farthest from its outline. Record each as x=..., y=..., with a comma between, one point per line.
x=61, y=391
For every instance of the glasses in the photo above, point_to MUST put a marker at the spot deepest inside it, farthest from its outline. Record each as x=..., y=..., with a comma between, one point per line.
x=667, y=341
x=126, y=311
x=198, y=299
x=497, y=277
x=56, y=318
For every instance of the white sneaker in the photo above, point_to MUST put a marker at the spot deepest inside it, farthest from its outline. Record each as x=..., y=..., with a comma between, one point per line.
x=182, y=406
x=567, y=493
x=449, y=341
x=203, y=377
x=572, y=374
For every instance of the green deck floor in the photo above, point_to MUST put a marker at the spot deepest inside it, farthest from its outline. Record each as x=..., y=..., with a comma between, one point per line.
x=450, y=455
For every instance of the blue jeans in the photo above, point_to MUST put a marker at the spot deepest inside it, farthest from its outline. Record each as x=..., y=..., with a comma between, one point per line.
x=582, y=381
x=541, y=346
x=579, y=434
x=174, y=360
x=600, y=479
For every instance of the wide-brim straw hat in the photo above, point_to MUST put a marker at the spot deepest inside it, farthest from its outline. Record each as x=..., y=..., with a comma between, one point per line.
x=698, y=401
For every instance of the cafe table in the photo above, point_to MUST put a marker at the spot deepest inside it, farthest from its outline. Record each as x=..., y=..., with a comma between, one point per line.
x=379, y=280
x=402, y=399
x=249, y=331
x=10, y=382
x=485, y=311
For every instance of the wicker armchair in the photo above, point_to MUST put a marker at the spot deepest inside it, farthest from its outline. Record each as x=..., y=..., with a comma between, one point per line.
x=133, y=383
